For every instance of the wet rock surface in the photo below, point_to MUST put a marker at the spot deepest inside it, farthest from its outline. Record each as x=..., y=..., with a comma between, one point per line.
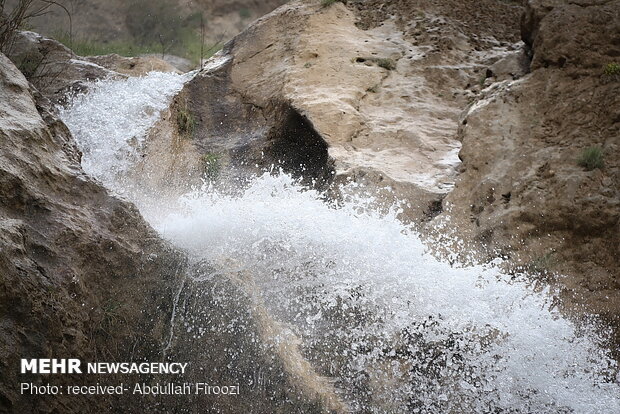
x=384, y=98
x=83, y=276
x=458, y=78
x=437, y=102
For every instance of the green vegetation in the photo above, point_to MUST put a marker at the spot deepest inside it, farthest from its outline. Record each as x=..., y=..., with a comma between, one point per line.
x=86, y=47
x=541, y=265
x=188, y=47
x=481, y=80
x=155, y=27
x=386, y=63
x=112, y=315
x=211, y=165
x=327, y=3
x=245, y=13
x=185, y=120
x=591, y=158
x=612, y=69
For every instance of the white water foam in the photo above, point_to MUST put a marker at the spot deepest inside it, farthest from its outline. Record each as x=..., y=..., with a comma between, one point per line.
x=111, y=121
x=398, y=330
x=355, y=283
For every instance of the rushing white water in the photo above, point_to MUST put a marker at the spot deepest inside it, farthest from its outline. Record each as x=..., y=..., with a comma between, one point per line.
x=397, y=329
x=110, y=122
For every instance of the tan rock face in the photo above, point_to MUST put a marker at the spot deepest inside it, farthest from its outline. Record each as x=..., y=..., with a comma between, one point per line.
x=385, y=99
x=522, y=191
x=133, y=66
x=51, y=67
x=398, y=122
x=582, y=35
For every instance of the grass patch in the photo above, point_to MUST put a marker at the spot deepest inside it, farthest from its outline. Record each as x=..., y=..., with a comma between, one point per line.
x=188, y=46
x=87, y=47
x=185, y=121
x=386, y=63
x=591, y=158
x=327, y=3
x=211, y=165
x=612, y=69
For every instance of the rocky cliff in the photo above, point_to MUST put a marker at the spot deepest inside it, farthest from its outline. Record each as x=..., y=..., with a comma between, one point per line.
x=436, y=103
x=75, y=281
x=522, y=191
x=346, y=94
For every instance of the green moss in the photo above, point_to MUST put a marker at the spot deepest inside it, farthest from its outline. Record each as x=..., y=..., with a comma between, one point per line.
x=591, y=158
x=541, y=265
x=185, y=120
x=211, y=165
x=386, y=63
x=327, y=3
x=612, y=69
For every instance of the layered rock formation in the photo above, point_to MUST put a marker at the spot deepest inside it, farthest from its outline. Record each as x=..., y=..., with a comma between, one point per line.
x=82, y=275
x=384, y=93
x=522, y=192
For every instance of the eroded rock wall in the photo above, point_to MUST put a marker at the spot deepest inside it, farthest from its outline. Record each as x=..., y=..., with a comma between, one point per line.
x=82, y=275
x=522, y=192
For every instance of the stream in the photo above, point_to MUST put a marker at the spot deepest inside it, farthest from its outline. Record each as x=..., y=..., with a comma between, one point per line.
x=398, y=330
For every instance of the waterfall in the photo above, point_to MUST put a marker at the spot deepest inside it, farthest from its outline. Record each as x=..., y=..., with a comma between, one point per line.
x=398, y=330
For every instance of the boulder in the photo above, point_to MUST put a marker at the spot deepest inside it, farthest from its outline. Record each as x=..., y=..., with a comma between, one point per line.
x=56, y=70
x=52, y=67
